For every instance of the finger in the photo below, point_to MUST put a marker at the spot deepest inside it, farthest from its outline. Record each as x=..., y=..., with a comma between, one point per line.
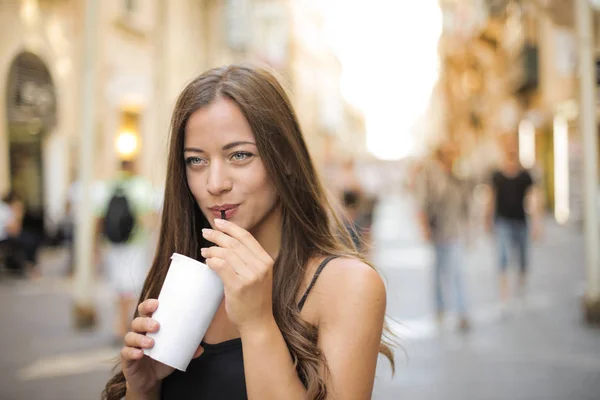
x=147, y=307
x=245, y=237
x=225, y=241
x=140, y=341
x=144, y=324
x=234, y=260
x=219, y=238
x=232, y=274
x=131, y=354
x=224, y=270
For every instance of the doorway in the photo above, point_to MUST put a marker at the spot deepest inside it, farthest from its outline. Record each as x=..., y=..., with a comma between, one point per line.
x=31, y=116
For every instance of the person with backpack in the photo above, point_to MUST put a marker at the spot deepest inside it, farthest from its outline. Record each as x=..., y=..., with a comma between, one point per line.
x=125, y=219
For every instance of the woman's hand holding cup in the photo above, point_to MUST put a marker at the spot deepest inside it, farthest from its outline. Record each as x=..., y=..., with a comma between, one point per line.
x=142, y=373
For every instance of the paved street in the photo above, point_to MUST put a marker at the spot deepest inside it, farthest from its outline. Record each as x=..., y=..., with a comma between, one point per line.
x=540, y=349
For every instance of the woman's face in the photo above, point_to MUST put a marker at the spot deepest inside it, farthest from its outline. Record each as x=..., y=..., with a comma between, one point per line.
x=224, y=169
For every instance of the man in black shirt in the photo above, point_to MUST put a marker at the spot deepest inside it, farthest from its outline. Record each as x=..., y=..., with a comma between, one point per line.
x=512, y=188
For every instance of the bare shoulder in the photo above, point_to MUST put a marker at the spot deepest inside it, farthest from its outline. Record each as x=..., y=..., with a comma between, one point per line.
x=349, y=275
x=351, y=316
x=349, y=286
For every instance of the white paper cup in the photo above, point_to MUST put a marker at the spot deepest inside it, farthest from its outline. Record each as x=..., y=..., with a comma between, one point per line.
x=187, y=303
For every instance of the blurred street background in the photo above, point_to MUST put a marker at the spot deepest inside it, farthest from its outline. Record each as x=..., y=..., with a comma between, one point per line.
x=444, y=127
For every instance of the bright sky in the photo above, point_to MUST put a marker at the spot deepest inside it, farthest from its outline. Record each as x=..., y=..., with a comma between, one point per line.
x=388, y=50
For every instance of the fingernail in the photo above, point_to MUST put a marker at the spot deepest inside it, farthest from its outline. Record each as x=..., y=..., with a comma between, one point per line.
x=146, y=341
x=153, y=325
x=202, y=251
x=205, y=231
x=219, y=221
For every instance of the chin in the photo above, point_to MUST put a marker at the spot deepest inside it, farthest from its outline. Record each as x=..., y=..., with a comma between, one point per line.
x=243, y=224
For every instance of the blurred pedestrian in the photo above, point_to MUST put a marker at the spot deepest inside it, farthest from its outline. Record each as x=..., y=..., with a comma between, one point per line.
x=10, y=227
x=444, y=219
x=513, y=188
x=347, y=177
x=125, y=217
x=11, y=215
x=357, y=203
x=351, y=203
x=23, y=244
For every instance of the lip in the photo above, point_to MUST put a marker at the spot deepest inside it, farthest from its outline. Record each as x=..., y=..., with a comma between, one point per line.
x=230, y=210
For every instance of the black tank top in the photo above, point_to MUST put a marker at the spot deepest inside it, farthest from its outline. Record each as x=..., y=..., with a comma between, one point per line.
x=219, y=372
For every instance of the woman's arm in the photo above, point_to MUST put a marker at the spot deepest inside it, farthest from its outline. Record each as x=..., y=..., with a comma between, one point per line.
x=154, y=395
x=350, y=307
x=353, y=301
x=269, y=369
x=248, y=285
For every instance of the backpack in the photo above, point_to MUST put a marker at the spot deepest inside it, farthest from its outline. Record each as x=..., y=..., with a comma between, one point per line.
x=119, y=220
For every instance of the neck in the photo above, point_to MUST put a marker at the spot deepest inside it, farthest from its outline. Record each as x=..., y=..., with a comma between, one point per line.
x=511, y=167
x=268, y=232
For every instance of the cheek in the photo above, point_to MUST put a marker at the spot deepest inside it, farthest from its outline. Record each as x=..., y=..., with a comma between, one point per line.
x=268, y=193
x=195, y=186
x=271, y=192
x=258, y=185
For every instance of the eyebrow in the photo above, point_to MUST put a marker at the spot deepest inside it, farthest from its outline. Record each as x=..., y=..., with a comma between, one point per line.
x=226, y=147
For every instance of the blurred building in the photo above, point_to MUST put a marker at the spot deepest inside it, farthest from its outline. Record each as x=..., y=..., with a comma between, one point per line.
x=509, y=68
x=147, y=51
x=139, y=72
x=38, y=113
x=288, y=36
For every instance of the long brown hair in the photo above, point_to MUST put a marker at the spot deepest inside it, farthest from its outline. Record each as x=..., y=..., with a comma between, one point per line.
x=311, y=225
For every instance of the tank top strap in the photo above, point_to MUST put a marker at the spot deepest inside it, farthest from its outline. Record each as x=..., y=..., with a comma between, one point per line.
x=313, y=281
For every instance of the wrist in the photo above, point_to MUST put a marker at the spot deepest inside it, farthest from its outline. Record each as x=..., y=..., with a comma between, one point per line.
x=130, y=394
x=259, y=330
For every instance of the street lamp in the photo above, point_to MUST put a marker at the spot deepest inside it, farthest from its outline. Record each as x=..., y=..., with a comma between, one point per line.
x=126, y=145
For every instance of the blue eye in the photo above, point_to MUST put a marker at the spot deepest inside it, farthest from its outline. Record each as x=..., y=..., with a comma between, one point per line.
x=241, y=156
x=194, y=161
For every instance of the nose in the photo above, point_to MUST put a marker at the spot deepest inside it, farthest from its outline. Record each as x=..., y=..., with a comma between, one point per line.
x=219, y=180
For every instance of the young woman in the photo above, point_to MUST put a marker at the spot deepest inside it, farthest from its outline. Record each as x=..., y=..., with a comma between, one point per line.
x=280, y=333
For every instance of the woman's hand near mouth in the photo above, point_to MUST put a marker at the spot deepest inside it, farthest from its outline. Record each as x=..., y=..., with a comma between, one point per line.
x=246, y=270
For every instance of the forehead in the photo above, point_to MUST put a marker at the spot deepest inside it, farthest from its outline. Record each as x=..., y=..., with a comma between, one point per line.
x=221, y=121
